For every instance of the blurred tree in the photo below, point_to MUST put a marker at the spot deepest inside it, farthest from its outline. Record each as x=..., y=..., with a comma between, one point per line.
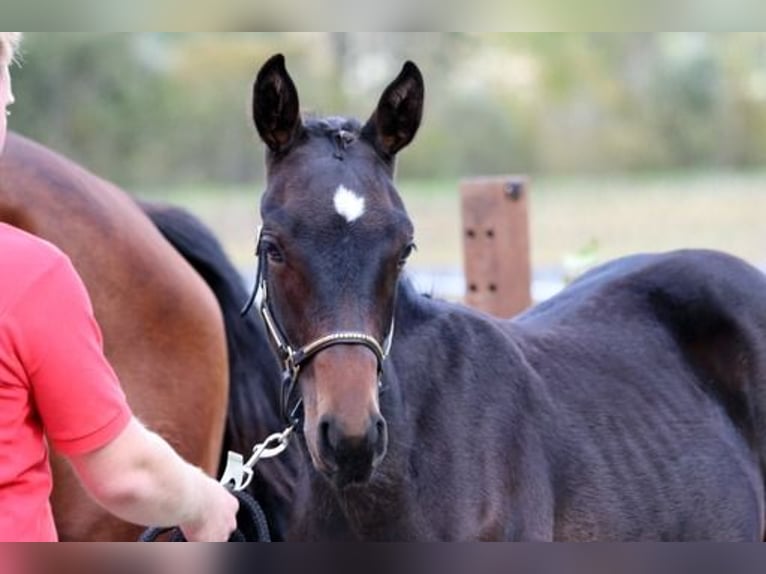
x=159, y=108
x=89, y=94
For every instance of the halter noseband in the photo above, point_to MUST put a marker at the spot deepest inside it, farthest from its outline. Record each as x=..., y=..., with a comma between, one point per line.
x=293, y=359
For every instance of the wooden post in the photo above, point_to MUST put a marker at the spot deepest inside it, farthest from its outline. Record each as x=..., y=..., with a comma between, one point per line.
x=496, y=244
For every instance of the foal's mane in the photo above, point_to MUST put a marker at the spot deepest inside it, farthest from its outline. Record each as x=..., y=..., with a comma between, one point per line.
x=329, y=126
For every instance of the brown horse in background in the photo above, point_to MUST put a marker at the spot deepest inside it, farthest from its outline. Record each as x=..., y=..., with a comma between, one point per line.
x=162, y=326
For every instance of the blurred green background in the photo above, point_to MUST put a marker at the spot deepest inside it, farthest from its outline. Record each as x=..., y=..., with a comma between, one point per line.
x=634, y=142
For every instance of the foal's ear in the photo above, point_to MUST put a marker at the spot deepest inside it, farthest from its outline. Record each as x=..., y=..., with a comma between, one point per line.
x=276, y=111
x=395, y=121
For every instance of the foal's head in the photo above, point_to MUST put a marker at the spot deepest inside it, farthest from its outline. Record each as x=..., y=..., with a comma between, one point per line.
x=334, y=240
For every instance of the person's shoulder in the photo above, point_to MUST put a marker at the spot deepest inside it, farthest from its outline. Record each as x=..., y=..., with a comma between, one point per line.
x=24, y=259
x=18, y=247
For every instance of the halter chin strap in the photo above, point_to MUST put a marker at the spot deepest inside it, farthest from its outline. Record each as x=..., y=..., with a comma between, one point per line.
x=293, y=359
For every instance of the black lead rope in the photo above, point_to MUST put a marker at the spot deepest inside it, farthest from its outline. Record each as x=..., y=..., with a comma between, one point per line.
x=251, y=524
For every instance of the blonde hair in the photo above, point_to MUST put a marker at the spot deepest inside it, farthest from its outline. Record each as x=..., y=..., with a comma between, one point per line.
x=9, y=43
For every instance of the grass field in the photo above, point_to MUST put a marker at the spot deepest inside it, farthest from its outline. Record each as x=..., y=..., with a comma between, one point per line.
x=618, y=214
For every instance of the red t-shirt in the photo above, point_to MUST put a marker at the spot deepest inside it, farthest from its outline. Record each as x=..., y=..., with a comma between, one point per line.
x=54, y=379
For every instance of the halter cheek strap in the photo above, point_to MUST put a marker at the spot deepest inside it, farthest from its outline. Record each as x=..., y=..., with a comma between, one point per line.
x=293, y=359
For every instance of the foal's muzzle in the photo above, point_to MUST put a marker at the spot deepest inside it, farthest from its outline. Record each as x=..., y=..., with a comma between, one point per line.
x=351, y=459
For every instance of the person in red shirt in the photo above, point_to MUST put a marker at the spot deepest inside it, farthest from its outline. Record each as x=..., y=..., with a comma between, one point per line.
x=58, y=389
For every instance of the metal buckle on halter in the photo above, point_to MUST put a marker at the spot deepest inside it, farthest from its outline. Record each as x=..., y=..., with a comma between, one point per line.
x=290, y=365
x=289, y=380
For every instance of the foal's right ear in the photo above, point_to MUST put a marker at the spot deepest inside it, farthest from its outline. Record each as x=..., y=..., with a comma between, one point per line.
x=276, y=111
x=396, y=119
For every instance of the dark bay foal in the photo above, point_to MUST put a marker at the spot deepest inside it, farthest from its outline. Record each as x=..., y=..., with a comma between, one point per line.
x=630, y=407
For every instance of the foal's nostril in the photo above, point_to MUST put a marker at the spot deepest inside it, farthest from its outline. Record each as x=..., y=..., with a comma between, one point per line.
x=327, y=437
x=379, y=437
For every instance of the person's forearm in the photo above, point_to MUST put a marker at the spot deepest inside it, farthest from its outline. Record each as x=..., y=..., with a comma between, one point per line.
x=141, y=479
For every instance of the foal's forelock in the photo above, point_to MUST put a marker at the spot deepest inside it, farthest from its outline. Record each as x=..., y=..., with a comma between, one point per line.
x=337, y=135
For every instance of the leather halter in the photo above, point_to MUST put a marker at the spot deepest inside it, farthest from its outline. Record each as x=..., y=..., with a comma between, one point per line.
x=292, y=358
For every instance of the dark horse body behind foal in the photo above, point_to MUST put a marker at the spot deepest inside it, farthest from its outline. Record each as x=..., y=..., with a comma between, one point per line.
x=629, y=407
x=253, y=402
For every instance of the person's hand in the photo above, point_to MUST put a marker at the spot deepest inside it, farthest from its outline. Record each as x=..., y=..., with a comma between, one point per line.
x=217, y=517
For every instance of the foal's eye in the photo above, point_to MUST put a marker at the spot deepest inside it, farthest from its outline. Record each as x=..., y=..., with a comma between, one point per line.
x=406, y=252
x=272, y=252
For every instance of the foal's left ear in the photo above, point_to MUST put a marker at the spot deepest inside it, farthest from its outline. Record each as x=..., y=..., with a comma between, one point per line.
x=276, y=111
x=395, y=121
